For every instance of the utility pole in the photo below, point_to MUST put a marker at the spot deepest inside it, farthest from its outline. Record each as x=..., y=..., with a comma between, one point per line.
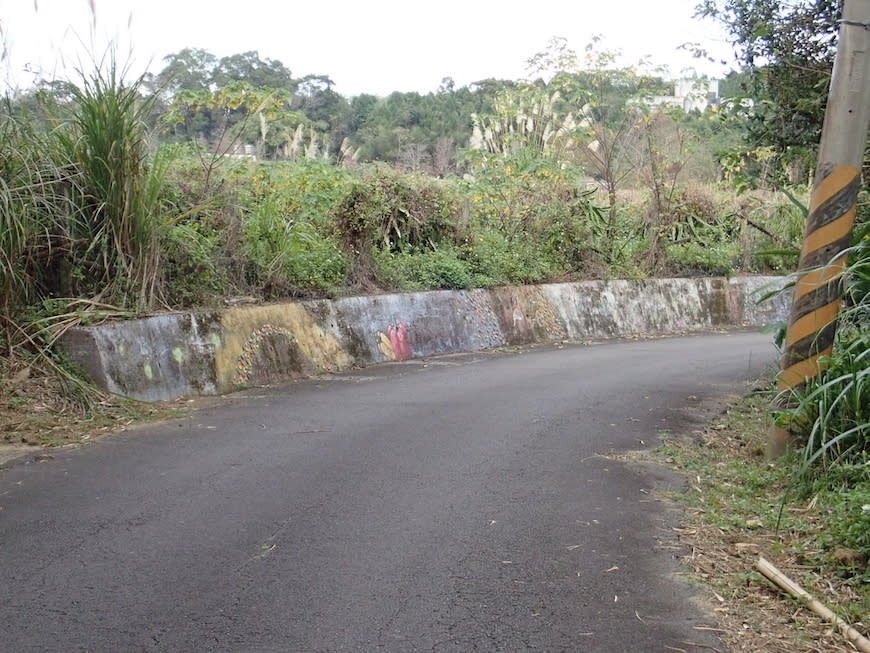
x=818, y=292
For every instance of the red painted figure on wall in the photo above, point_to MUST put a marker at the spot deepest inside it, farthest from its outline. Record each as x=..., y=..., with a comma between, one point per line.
x=395, y=344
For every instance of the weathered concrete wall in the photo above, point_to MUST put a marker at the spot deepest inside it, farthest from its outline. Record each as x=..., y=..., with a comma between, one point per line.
x=183, y=354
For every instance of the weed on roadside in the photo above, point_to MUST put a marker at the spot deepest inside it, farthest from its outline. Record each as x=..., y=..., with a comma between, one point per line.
x=738, y=506
x=35, y=410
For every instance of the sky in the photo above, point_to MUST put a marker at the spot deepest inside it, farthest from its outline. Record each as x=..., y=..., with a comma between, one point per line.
x=364, y=46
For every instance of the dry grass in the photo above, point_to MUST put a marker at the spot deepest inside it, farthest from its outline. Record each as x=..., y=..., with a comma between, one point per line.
x=36, y=409
x=733, y=503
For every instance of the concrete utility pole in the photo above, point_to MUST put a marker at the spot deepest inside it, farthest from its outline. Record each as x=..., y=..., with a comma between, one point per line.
x=817, y=295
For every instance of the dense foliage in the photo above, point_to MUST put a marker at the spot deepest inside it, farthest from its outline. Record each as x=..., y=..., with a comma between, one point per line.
x=787, y=51
x=222, y=177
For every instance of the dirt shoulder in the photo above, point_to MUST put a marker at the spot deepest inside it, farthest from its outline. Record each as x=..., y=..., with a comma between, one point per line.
x=734, y=513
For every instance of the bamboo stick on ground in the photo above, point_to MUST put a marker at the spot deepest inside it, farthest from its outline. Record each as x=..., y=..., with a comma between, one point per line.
x=787, y=584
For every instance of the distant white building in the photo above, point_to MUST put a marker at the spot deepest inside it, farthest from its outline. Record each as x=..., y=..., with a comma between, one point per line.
x=690, y=95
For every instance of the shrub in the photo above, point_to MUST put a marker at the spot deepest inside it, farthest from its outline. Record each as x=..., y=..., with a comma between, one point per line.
x=388, y=211
x=290, y=256
x=427, y=270
x=192, y=274
x=719, y=258
x=495, y=260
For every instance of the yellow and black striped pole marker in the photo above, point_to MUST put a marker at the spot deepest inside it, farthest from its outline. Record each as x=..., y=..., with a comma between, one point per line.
x=818, y=292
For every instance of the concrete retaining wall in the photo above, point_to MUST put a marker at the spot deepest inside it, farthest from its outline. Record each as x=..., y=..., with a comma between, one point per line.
x=183, y=354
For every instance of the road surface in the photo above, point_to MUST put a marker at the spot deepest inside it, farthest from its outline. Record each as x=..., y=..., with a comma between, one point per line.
x=474, y=502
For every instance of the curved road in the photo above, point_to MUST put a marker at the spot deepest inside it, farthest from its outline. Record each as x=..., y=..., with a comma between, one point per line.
x=465, y=503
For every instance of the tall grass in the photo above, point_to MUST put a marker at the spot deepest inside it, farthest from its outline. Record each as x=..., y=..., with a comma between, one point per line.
x=39, y=185
x=116, y=235
x=832, y=411
x=80, y=221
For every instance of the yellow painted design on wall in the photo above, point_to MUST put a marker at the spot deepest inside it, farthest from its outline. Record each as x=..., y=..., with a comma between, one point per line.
x=386, y=346
x=247, y=358
x=319, y=346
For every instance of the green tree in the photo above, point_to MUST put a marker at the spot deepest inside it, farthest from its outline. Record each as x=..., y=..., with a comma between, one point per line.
x=249, y=68
x=787, y=50
x=328, y=111
x=189, y=69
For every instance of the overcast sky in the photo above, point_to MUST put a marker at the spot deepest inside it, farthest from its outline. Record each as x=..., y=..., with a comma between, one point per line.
x=365, y=46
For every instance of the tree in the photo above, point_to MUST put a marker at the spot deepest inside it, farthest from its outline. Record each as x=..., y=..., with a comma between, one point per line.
x=190, y=69
x=213, y=100
x=243, y=115
x=787, y=50
x=443, y=156
x=249, y=68
x=325, y=108
x=386, y=126
x=608, y=101
x=361, y=108
x=413, y=158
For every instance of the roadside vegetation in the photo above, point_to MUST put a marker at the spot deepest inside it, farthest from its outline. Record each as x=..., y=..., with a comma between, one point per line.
x=740, y=505
x=809, y=513
x=221, y=179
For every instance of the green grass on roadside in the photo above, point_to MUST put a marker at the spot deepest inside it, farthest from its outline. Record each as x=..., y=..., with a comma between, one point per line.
x=739, y=505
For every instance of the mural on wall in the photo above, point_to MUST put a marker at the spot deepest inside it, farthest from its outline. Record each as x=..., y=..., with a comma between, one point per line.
x=544, y=316
x=527, y=315
x=246, y=368
x=395, y=344
x=475, y=306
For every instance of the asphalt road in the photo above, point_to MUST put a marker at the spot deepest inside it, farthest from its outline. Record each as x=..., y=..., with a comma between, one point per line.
x=464, y=503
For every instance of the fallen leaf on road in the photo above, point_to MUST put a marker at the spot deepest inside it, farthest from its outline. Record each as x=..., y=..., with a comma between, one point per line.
x=613, y=568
